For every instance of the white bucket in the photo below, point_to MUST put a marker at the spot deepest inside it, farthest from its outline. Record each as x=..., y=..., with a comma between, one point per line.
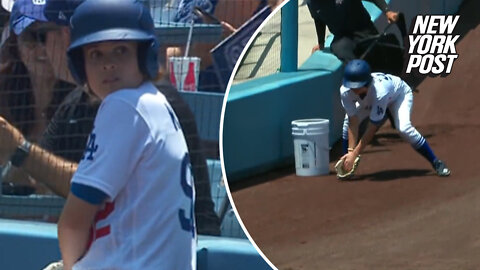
x=310, y=142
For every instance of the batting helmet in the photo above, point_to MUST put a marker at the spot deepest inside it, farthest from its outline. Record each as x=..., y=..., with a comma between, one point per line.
x=357, y=74
x=112, y=20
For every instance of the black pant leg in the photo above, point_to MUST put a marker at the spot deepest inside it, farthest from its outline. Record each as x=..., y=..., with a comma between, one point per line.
x=343, y=48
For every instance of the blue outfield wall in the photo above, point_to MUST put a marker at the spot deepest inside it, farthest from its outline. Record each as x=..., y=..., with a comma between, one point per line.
x=258, y=114
x=33, y=245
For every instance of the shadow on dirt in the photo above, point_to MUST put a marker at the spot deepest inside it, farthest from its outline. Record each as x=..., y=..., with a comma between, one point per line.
x=389, y=175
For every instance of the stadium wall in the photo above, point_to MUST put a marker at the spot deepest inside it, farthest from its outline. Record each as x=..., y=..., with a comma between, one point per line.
x=33, y=245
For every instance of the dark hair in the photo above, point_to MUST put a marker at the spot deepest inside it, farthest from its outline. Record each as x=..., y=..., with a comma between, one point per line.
x=17, y=102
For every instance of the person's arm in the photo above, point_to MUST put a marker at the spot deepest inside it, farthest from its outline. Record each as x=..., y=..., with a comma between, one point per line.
x=364, y=141
x=319, y=26
x=353, y=126
x=348, y=103
x=228, y=29
x=381, y=4
x=366, y=138
x=74, y=229
x=392, y=16
x=320, y=29
x=45, y=167
x=53, y=171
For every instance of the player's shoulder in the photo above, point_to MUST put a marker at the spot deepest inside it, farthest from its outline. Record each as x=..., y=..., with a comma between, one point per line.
x=146, y=92
x=379, y=77
x=344, y=91
x=142, y=100
x=382, y=83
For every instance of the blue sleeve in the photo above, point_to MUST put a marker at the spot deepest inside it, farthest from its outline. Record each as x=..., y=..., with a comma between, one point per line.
x=88, y=193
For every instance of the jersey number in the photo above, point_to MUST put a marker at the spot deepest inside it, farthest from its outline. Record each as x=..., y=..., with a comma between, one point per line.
x=187, y=220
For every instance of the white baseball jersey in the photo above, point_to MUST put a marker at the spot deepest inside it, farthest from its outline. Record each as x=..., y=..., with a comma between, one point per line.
x=385, y=91
x=137, y=155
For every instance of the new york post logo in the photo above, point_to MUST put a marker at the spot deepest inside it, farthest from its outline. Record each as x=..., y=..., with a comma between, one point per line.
x=432, y=45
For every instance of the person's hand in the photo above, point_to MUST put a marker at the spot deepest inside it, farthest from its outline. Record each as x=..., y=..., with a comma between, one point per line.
x=392, y=16
x=10, y=138
x=317, y=48
x=349, y=159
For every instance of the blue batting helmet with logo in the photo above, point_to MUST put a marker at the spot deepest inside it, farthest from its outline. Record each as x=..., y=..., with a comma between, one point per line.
x=357, y=74
x=112, y=20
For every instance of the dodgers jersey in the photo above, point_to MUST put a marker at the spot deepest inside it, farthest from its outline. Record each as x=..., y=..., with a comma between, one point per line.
x=138, y=156
x=383, y=90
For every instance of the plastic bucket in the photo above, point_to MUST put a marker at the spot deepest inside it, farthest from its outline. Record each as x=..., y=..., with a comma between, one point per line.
x=310, y=142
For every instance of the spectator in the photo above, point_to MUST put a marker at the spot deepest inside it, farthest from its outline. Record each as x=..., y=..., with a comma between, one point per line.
x=30, y=93
x=348, y=21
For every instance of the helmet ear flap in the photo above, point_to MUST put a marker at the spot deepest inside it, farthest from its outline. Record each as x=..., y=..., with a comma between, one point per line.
x=76, y=65
x=148, y=58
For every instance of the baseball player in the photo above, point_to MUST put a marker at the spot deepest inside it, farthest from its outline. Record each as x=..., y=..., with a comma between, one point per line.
x=131, y=200
x=364, y=94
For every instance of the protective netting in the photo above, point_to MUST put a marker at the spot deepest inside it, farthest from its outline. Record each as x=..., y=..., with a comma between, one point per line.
x=262, y=58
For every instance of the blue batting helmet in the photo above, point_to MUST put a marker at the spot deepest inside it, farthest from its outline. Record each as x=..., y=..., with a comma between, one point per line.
x=357, y=74
x=112, y=20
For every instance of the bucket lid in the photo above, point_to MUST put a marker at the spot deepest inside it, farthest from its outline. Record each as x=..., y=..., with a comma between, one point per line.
x=314, y=122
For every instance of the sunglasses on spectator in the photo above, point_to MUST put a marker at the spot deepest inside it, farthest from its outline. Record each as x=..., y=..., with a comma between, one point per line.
x=37, y=35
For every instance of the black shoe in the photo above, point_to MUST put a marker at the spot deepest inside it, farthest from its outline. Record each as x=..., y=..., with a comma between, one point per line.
x=440, y=168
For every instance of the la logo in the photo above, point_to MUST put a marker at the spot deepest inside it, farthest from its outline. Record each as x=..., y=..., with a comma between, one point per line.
x=39, y=2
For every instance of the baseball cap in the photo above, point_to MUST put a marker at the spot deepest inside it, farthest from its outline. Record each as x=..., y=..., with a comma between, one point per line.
x=26, y=12
x=60, y=11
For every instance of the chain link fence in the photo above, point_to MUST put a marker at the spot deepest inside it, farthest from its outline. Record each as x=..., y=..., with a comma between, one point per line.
x=262, y=58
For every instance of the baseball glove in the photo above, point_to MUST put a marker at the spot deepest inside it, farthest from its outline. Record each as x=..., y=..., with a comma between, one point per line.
x=342, y=174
